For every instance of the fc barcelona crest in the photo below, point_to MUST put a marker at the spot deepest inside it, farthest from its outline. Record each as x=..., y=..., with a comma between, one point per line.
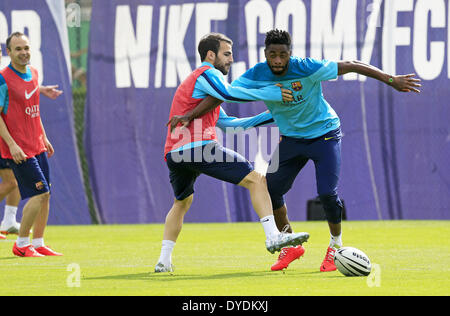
x=39, y=185
x=297, y=86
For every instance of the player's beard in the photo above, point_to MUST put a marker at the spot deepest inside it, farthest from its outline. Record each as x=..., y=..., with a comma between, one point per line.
x=223, y=68
x=278, y=72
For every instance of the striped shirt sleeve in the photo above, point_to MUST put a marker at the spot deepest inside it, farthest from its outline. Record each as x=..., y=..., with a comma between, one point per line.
x=213, y=83
x=230, y=123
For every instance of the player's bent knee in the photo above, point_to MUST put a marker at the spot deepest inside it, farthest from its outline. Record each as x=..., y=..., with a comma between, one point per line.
x=185, y=203
x=41, y=198
x=333, y=207
x=253, y=179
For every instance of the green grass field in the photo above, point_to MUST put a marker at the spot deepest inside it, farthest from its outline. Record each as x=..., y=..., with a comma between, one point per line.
x=413, y=258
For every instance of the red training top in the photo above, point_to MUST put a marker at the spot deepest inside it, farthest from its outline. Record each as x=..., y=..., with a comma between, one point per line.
x=202, y=128
x=23, y=119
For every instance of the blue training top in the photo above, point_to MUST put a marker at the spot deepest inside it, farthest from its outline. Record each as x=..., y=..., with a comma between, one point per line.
x=309, y=115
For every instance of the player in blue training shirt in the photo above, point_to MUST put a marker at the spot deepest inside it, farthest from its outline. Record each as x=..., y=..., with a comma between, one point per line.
x=310, y=129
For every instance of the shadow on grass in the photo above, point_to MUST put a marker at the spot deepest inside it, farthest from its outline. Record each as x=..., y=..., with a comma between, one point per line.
x=8, y=258
x=168, y=277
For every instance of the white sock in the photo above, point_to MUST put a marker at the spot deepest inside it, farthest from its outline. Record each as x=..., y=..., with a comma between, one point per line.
x=22, y=242
x=10, y=214
x=270, y=228
x=166, y=252
x=38, y=242
x=336, y=241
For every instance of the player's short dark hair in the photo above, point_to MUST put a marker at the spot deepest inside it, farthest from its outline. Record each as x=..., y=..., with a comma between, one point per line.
x=211, y=42
x=15, y=34
x=278, y=37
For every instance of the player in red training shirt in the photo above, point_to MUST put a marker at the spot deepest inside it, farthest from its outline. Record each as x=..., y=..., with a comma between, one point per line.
x=26, y=146
x=8, y=185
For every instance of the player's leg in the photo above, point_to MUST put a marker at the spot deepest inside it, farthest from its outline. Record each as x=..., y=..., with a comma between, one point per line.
x=182, y=180
x=41, y=220
x=175, y=218
x=328, y=164
x=172, y=229
x=227, y=165
x=285, y=164
x=290, y=162
x=22, y=247
x=256, y=184
x=234, y=168
x=259, y=196
x=34, y=184
x=8, y=180
x=9, y=189
x=282, y=219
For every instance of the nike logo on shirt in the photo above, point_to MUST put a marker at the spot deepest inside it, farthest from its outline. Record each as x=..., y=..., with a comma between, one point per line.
x=28, y=96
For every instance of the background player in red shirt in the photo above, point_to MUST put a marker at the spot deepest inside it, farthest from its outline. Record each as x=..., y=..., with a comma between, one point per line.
x=8, y=186
x=25, y=144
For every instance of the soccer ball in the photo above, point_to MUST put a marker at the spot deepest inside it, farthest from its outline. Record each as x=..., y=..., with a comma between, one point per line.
x=352, y=262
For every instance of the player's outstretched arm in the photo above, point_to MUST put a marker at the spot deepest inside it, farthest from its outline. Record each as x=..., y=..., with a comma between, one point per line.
x=209, y=103
x=402, y=83
x=231, y=124
x=51, y=92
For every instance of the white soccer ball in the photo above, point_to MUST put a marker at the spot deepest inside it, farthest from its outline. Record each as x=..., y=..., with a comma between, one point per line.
x=352, y=262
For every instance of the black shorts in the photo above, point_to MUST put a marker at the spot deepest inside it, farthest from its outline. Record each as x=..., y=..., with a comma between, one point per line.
x=33, y=175
x=291, y=156
x=211, y=159
x=4, y=163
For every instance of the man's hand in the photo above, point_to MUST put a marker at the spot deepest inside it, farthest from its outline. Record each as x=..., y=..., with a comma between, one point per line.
x=49, y=146
x=286, y=93
x=406, y=83
x=184, y=120
x=207, y=104
x=17, y=153
x=51, y=92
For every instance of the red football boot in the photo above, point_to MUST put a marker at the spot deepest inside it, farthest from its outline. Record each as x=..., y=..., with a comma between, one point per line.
x=328, y=262
x=27, y=251
x=46, y=251
x=287, y=255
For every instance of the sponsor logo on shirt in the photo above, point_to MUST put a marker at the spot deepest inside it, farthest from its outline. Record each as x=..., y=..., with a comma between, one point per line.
x=32, y=111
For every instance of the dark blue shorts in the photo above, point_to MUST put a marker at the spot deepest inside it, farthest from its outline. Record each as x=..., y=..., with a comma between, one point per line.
x=211, y=159
x=291, y=156
x=33, y=175
x=4, y=163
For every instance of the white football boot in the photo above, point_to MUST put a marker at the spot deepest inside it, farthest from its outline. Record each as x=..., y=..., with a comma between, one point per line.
x=160, y=267
x=8, y=227
x=282, y=240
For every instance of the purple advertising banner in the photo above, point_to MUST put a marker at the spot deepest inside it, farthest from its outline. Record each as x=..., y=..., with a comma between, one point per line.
x=395, y=148
x=44, y=22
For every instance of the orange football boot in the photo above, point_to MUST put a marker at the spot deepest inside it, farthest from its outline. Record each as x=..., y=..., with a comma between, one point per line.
x=287, y=255
x=328, y=262
x=27, y=251
x=47, y=251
